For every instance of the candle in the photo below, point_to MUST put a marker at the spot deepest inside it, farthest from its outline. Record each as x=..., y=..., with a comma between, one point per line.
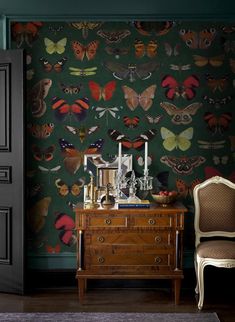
x=145, y=157
x=119, y=157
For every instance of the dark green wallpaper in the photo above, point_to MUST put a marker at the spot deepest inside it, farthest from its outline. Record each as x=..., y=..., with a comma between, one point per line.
x=91, y=84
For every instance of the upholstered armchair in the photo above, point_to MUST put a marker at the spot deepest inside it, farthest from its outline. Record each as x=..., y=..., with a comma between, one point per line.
x=214, y=228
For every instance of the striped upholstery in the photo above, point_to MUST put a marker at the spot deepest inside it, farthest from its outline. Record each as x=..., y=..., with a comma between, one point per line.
x=217, y=249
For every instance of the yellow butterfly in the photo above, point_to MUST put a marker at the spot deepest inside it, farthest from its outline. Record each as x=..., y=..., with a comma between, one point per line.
x=173, y=141
x=55, y=47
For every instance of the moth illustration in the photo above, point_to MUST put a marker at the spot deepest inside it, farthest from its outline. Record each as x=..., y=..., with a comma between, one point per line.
x=174, y=141
x=41, y=131
x=106, y=92
x=113, y=36
x=149, y=50
x=159, y=28
x=25, y=32
x=132, y=72
x=215, y=84
x=218, y=124
x=220, y=159
x=82, y=132
x=186, y=189
x=217, y=102
x=64, y=189
x=154, y=119
x=40, y=154
x=171, y=50
x=117, y=51
x=37, y=95
x=215, y=61
x=174, y=89
x=180, y=67
x=55, y=47
x=88, y=51
x=49, y=67
x=211, y=145
x=85, y=26
x=181, y=115
x=145, y=99
x=62, y=109
x=182, y=165
x=70, y=89
x=202, y=39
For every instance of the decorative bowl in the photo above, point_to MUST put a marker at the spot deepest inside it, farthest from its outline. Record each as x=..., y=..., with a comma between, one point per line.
x=164, y=201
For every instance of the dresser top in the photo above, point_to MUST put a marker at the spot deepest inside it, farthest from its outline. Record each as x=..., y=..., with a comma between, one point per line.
x=154, y=208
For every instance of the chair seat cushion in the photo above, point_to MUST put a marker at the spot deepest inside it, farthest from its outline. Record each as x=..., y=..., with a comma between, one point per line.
x=218, y=249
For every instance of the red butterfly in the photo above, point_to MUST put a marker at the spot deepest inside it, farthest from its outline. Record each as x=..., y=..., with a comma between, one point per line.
x=99, y=92
x=185, y=90
x=66, y=225
x=57, y=67
x=127, y=143
x=211, y=172
x=131, y=122
x=53, y=250
x=25, y=32
x=78, y=108
x=218, y=123
x=43, y=154
x=41, y=131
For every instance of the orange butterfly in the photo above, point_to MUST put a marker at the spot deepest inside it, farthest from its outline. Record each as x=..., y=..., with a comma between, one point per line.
x=42, y=131
x=202, y=39
x=98, y=92
x=202, y=61
x=57, y=67
x=217, y=84
x=145, y=99
x=218, y=124
x=53, y=250
x=141, y=49
x=74, y=189
x=80, y=50
x=131, y=122
x=25, y=32
x=185, y=189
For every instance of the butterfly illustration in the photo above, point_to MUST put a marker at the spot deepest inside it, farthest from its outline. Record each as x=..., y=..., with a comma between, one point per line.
x=78, y=109
x=74, y=158
x=53, y=170
x=74, y=189
x=202, y=39
x=66, y=225
x=80, y=50
x=37, y=214
x=186, y=89
x=186, y=189
x=136, y=143
x=55, y=29
x=37, y=95
x=211, y=172
x=57, y=67
x=174, y=141
x=106, y=111
x=208, y=145
x=133, y=99
x=220, y=159
x=105, y=92
x=217, y=83
x=40, y=154
x=85, y=26
x=180, y=67
x=228, y=29
x=116, y=51
x=113, y=36
x=53, y=250
x=154, y=119
x=140, y=160
x=131, y=122
x=183, y=165
x=55, y=47
x=159, y=28
x=25, y=32
x=150, y=50
x=218, y=124
x=83, y=71
x=228, y=45
x=82, y=132
x=132, y=72
x=70, y=89
x=171, y=51
x=217, y=102
x=41, y=131
x=181, y=115
x=202, y=61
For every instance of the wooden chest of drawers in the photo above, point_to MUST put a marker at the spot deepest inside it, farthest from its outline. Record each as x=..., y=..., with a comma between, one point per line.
x=142, y=243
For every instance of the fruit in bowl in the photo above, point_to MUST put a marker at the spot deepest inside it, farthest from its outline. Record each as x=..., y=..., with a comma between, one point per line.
x=165, y=197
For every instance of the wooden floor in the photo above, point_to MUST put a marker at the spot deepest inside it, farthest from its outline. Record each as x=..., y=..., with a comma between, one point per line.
x=150, y=297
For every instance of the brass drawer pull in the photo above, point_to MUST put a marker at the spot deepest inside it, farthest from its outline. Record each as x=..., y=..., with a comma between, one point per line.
x=157, y=260
x=101, y=260
x=108, y=221
x=100, y=239
x=152, y=221
x=158, y=239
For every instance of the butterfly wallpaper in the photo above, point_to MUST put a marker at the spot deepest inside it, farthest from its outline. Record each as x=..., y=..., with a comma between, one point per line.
x=93, y=84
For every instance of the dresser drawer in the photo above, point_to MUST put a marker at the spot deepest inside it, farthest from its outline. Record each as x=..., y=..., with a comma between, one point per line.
x=156, y=238
x=159, y=221
x=106, y=221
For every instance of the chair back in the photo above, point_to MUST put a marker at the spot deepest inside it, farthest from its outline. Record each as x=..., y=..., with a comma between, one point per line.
x=214, y=201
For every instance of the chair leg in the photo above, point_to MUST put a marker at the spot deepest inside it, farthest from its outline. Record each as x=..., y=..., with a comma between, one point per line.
x=195, y=267
x=200, y=275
